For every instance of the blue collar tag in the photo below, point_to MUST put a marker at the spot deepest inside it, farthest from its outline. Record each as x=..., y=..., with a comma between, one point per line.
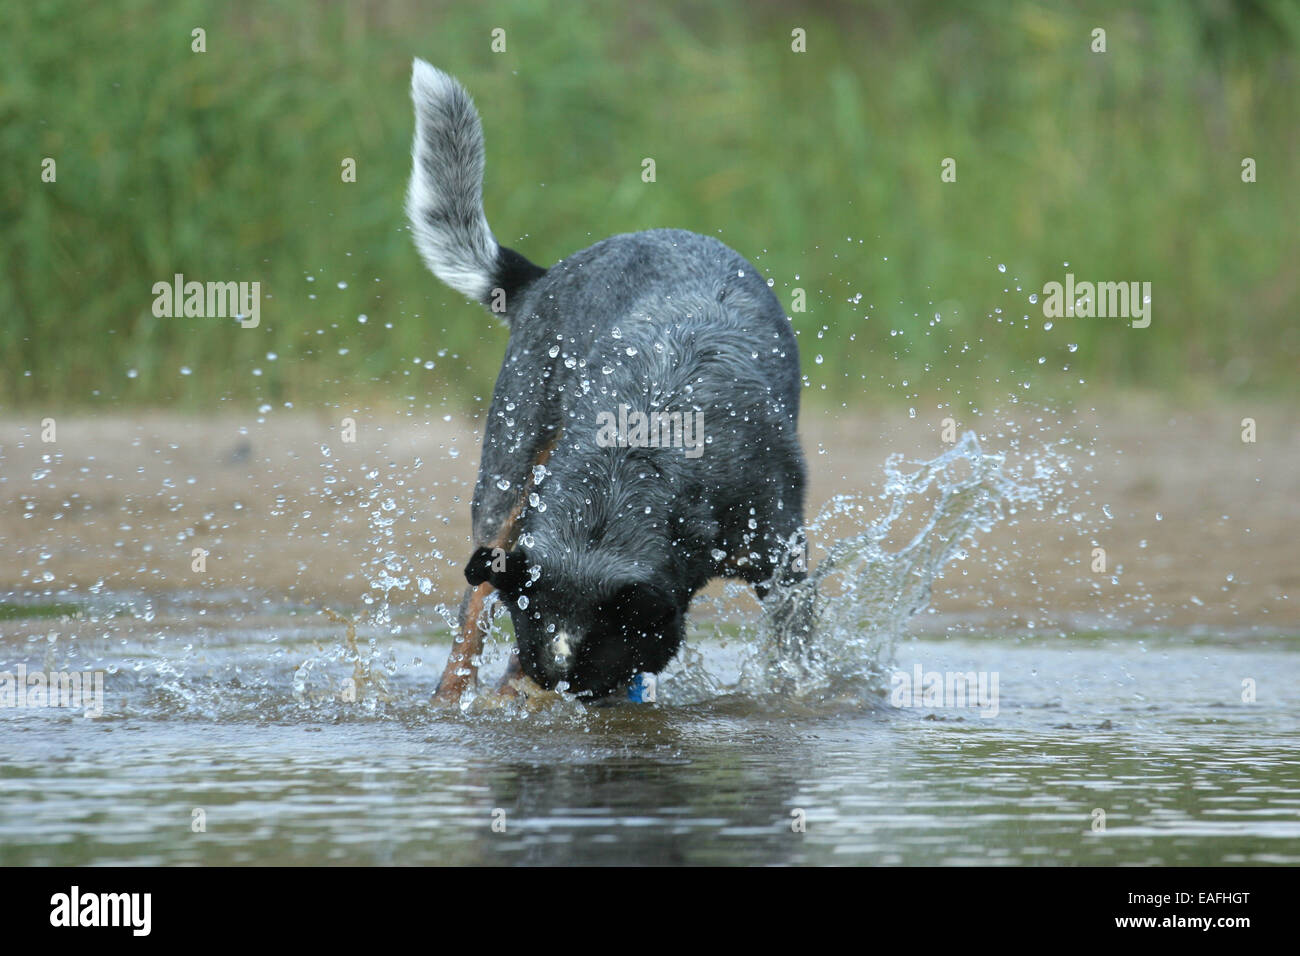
x=642, y=689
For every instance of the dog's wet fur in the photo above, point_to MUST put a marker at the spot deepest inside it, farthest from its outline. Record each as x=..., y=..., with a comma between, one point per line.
x=613, y=542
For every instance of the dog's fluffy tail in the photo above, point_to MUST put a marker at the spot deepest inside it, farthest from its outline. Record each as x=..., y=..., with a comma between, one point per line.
x=444, y=201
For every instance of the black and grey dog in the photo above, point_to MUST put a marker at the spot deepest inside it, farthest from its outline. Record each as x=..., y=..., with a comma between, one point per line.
x=642, y=437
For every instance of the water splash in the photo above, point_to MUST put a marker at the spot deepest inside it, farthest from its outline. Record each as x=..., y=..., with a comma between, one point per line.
x=834, y=633
x=886, y=553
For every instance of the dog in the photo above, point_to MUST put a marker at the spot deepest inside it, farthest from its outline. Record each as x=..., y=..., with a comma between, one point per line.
x=600, y=509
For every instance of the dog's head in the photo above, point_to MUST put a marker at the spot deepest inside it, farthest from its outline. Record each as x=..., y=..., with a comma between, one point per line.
x=595, y=639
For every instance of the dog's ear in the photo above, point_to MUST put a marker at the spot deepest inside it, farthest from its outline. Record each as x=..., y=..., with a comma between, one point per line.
x=507, y=571
x=641, y=607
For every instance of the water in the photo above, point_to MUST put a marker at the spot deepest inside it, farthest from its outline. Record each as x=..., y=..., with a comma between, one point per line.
x=1116, y=724
x=862, y=594
x=241, y=730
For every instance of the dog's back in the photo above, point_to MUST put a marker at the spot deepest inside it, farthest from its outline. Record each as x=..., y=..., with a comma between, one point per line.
x=661, y=327
x=668, y=330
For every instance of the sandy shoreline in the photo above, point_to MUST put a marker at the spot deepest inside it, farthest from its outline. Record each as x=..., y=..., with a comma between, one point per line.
x=122, y=501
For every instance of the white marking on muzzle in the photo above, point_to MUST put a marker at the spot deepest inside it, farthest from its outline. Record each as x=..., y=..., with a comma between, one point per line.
x=562, y=649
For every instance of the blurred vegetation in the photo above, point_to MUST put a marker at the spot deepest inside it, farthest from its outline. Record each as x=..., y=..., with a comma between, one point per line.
x=822, y=167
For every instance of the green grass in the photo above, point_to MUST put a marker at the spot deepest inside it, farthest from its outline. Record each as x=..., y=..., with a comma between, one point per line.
x=822, y=167
x=16, y=612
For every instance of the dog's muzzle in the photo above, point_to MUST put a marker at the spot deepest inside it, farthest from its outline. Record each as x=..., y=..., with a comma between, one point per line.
x=560, y=656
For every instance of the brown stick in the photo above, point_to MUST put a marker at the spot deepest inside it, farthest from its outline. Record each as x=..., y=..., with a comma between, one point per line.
x=514, y=671
x=462, y=666
x=461, y=669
